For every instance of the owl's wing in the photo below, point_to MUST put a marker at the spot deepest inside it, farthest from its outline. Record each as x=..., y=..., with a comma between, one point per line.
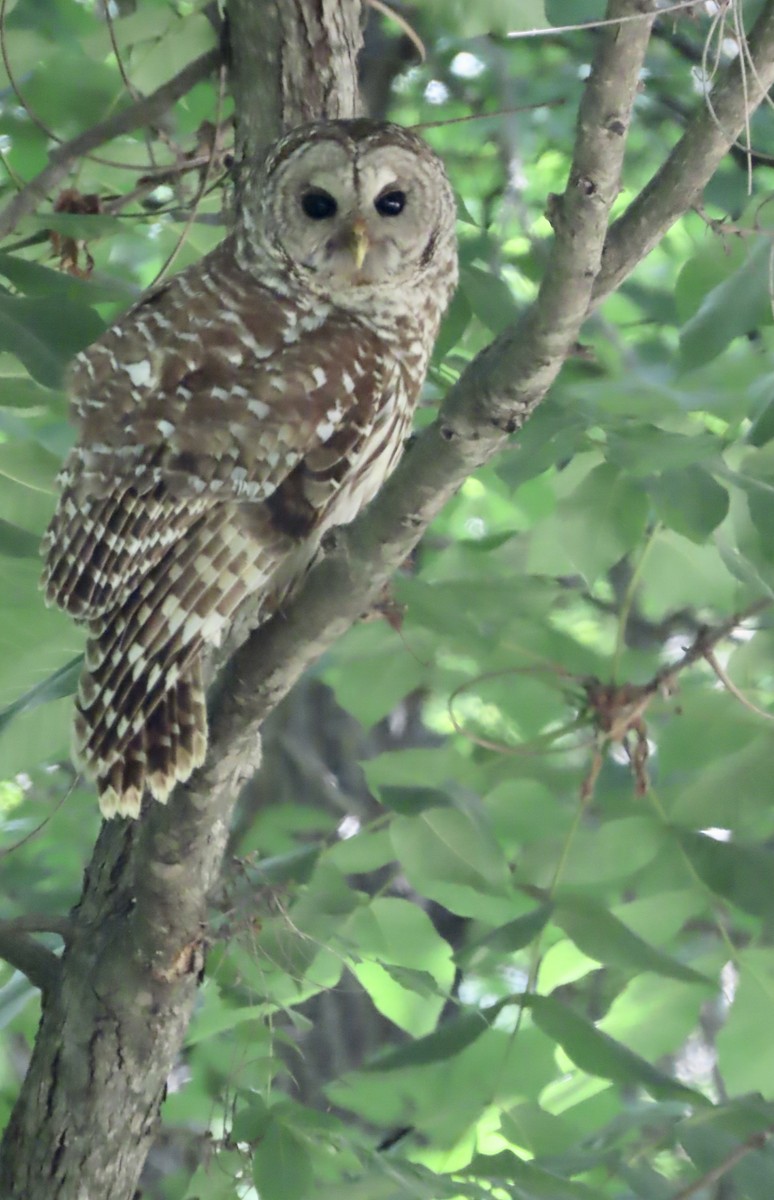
x=186, y=432
x=237, y=431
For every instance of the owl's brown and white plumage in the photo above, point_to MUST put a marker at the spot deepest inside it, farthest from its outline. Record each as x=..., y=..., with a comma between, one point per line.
x=230, y=418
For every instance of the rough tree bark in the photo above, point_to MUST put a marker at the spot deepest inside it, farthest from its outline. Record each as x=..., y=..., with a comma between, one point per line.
x=114, y=1019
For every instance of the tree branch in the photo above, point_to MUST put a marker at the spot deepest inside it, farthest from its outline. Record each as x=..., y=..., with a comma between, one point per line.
x=757, y=1141
x=677, y=184
x=503, y=384
x=38, y=923
x=495, y=394
x=142, y=112
x=41, y=966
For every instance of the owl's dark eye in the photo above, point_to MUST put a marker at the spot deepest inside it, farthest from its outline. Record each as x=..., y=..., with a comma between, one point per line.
x=390, y=204
x=318, y=205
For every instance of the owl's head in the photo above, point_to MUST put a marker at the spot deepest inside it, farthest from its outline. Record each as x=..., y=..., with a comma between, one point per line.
x=352, y=205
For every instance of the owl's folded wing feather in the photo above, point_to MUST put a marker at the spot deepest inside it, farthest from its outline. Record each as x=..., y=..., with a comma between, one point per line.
x=218, y=432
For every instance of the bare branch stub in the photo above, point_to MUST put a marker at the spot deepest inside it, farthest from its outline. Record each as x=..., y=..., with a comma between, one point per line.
x=40, y=965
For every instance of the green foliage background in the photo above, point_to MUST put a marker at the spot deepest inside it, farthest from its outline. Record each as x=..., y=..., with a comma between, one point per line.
x=599, y=1024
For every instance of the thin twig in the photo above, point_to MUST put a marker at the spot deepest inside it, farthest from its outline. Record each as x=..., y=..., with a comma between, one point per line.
x=678, y=183
x=551, y=30
x=164, y=269
x=486, y=116
x=7, y=851
x=133, y=117
x=402, y=23
x=756, y=1142
x=705, y=640
x=708, y=74
x=131, y=89
x=33, y=116
x=731, y=687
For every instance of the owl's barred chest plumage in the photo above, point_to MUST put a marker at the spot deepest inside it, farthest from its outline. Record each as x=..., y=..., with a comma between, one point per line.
x=234, y=415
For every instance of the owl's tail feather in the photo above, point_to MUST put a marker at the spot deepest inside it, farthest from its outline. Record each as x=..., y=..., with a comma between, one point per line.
x=165, y=749
x=98, y=548
x=140, y=714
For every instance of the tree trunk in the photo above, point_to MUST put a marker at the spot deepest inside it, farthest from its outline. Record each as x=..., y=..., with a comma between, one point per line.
x=114, y=1018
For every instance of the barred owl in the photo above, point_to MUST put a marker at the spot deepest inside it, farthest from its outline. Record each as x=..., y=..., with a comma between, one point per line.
x=229, y=419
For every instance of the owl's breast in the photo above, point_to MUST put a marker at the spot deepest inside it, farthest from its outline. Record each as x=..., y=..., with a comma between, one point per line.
x=374, y=458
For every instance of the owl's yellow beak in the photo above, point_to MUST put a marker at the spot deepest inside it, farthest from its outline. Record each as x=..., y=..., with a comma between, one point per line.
x=359, y=242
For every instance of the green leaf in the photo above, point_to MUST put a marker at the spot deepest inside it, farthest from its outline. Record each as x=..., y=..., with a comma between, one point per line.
x=447, y=844
x=506, y=939
x=689, y=501
x=412, y=980
x=677, y=571
x=712, y=796
x=449, y=1039
x=21, y=392
x=710, y=266
x=646, y=449
x=410, y=801
x=401, y=961
x=36, y=280
x=79, y=225
x=762, y=429
x=746, y=1059
x=598, y=1054
x=489, y=297
x=296, y=866
x=251, y=1123
x=553, y=433
x=615, y=850
x=602, y=936
x=30, y=465
x=366, y=851
x=489, y=16
x=525, y=1179
x=737, y=306
x=716, y=1139
x=739, y=873
x=62, y=683
x=453, y=326
x=16, y=542
x=15, y=995
x=44, y=334
x=574, y=12
x=220, y=1019
x=593, y=527
x=282, y=1167
x=646, y=1183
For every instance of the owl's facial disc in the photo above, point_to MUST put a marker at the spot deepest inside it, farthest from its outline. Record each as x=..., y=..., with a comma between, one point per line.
x=358, y=217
